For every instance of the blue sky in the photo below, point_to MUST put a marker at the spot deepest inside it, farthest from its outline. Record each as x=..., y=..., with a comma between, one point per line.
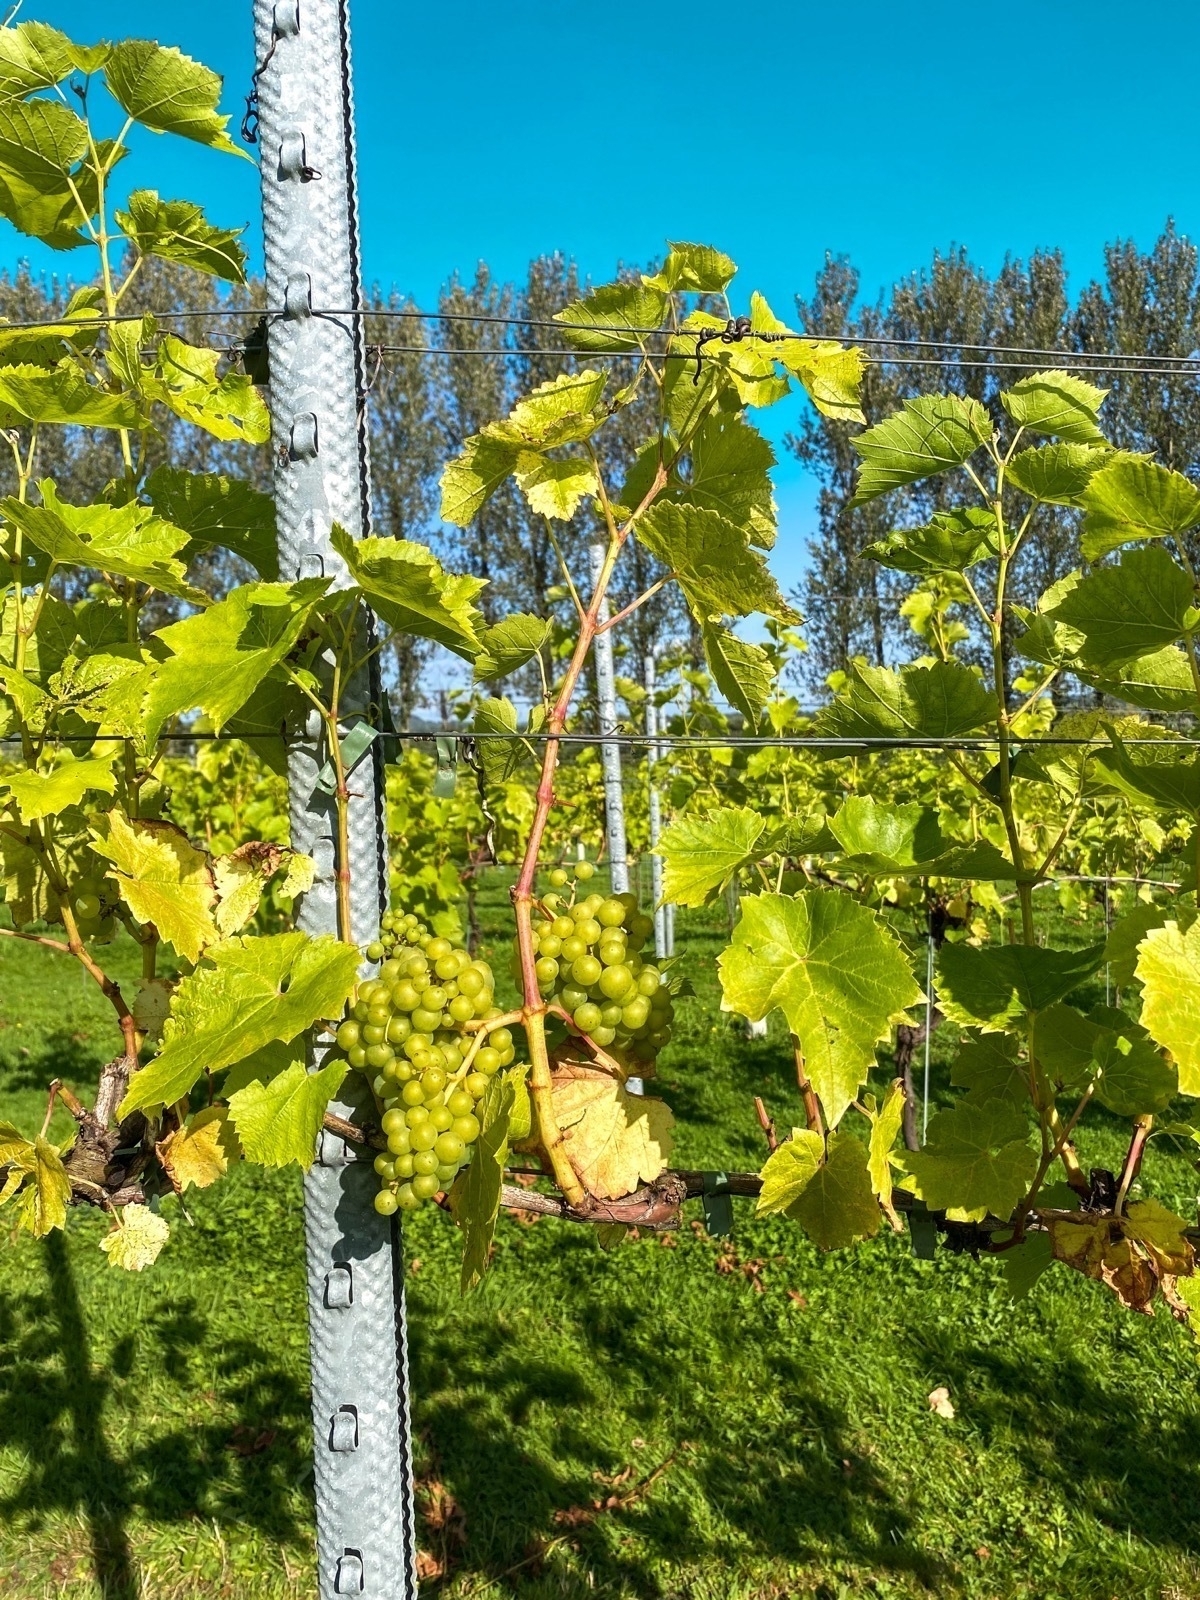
x=775, y=130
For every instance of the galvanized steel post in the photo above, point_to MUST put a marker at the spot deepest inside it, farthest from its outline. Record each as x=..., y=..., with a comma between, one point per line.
x=663, y=930
x=362, y=1455
x=610, y=750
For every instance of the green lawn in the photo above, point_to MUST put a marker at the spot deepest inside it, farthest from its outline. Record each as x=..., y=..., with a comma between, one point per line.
x=154, y=1434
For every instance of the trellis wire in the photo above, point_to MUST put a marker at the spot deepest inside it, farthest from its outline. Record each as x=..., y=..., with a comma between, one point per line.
x=848, y=742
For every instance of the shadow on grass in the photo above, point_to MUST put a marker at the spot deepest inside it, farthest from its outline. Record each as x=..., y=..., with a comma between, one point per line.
x=74, y=1056
x=57, y=1412
x=733, y=1487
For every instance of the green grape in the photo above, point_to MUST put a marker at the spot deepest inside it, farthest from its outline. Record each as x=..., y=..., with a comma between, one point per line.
x=384, y=1167
x=447, y=966
x=386, y=1203
x=441, y=1118
x=398, y=1029
x=379, y=1087
x=461, y=1008
x=616, y=982
x=391, y=1121
x=400, y=1142
x=641, y=926
x=360, y=1011
x=579, y=913
x=434, y=998
x=475, y=1084
x=584, y=870
x=573, y=948
x=500, y=1038
x=550, y=945
x=404, y=1165
x=466, y=1128
x=368, y=990
x=460, y=1103
x=389, y=972
x=659, y=1037
x=425, y=1186
x=406, y=1199
x=603, y=1036
x=405, y=995
x=586, y=971
x=588, y=929
x=488, y=1060
x=546, y=971
x=612, y=953
x=572, y=996
x=375, y=951
x=610, y=1014
x=634, y=1014
x=427, y=1021
x=587, y=1017
x=424, y=1137
x=357, y=1057
x=648, y=981
x=348, y=1035
x=372, y=1033
x=450, y=1148
x=610, y=913
x=433, y=1081
x=412, y=1093
x=378, y=1056
x=558, y=877
x=416, y=1116
x=437, y=948
x=507, y=1057
x=447, y=1174
x=391, y=1071
x=563, y=927
x=425, y=1161
x=592, y=904
x=470, y=982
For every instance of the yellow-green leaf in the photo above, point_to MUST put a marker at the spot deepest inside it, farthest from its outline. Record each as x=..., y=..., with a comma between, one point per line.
x=137, y=1239
x=278, y=1122
x=162, y=878
x=788, y=1170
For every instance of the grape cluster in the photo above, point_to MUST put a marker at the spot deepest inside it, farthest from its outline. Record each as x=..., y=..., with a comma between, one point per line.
x=94, y=902
x=589, y=960
x=406, y=1031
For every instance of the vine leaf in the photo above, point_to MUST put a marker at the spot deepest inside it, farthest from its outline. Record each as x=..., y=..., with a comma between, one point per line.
x=220, y=656
x=45, y=794
x=1130, y=1075
x=405, y=584
x=127, y=541
x=137, y=1239
x=1130, y=1254
x=730, y=475
x=554, y=487
x=33, y=56
x=977, y=1160
x=243, y=874
x=245, y=994
x=1162, y=1234
x=991, y=988
x=838, y=1205
x=37, y=1178
x=1124, y=937
x=720, y=573
x=1133, y=498
x=935, y=702
x=201, y=1151
x=165, y=90
x=833, y=969
x=177, y=230
x=40, y=143
x=475, y=1198
x=1057, y=403
x=885, y=1130
x=215, y=510
x=472, y=478
x=1168, y=968
x=614, y=1140
x=511, y=644
x=162, y=878
x=617, y=312
x=277, y=1122
x=565, y=410
x=1056, y=474
x=185, y=381
x=892, y=839
x=927, y=435
x=743, y=672
x=692, y=269
x=702, y=852
x=64, y=395
x=1130, y=610
x=1159, y=779
x=788, y=1171
x=988, y=1067
x=951, y=541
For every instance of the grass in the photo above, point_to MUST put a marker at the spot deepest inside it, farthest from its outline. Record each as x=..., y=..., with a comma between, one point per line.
x=154, y=1432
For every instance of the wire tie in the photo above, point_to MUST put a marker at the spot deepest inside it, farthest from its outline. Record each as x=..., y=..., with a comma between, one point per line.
x=354, y=747
x=718, y=1204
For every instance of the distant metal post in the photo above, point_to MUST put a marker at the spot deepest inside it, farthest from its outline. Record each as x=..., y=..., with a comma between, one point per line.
x=664, y=941
x=610, y=750
x=362, y=1456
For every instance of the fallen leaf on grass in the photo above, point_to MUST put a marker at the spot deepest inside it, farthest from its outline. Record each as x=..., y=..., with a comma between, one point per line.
x=940, y=1403
x=246, y=1442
